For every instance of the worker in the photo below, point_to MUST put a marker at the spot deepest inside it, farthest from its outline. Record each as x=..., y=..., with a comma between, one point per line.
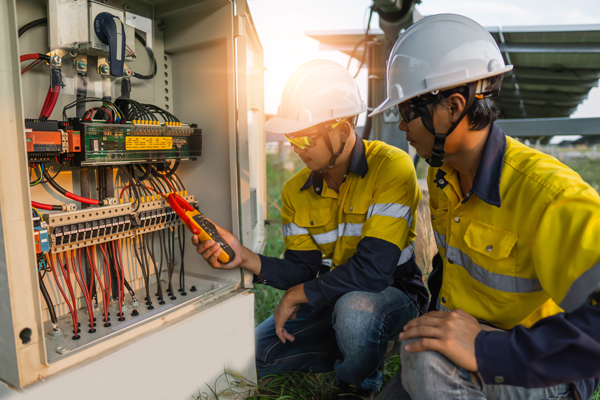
x=349, y=223
x=515, y=281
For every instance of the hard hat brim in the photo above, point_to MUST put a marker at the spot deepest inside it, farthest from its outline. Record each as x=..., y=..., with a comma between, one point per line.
x=281, y=126
x=389, y=102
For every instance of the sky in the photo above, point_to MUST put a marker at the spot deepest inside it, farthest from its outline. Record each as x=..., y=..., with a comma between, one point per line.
x=281, y=26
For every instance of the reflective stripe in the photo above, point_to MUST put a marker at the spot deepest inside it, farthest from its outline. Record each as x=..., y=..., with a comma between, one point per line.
x=440, y=239
x=581, y=289
x=293, y=229
x=406, y=254
x=327, y=237
x=342, y=230
x=393, y=210
x=327, y=261
x=503, y=283
x=350, y=229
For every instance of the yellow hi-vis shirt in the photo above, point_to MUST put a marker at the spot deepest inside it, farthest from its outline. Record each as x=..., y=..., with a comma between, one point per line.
x=524, y=244
x=381, y=204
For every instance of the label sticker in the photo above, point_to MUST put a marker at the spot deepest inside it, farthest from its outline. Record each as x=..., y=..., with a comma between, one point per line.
x=148, y=143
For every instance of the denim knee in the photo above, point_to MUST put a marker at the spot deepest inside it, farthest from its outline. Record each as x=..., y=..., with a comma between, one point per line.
x=425, y=374
x=355, y=314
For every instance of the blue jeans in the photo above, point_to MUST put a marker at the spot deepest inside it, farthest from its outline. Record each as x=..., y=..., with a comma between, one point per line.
x=350, y=338
x=428, y=375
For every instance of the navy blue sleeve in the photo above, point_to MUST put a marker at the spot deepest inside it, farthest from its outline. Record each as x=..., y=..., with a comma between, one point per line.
x=297, y=267
x=559, y=349
x=370, y=269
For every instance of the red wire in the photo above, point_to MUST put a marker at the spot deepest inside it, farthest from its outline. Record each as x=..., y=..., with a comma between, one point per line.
x=26, y=57
x=33, y=64
x=117, y=268
x=73, y=313
x=67, y=278
x=53, y=100
x=107, y=275
x=82, y=285
x=41, y=206
x=48, y=96
x=82, y=199
x=104, y=292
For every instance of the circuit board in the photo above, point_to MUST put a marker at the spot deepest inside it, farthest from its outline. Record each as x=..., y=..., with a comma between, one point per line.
x=108, y=143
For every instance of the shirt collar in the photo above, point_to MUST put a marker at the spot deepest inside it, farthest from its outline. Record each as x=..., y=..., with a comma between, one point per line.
x=358, y=165
x=487, y=179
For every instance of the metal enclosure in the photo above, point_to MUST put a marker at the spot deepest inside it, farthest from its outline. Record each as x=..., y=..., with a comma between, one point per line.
x=209, y=72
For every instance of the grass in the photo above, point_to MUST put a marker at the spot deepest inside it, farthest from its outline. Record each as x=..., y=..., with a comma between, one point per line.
x=322, y=386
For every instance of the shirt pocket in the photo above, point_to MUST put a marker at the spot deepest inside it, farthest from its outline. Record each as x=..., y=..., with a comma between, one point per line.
x=439, y=220
x=359, y=204
x=314, y=217
x=492, y=261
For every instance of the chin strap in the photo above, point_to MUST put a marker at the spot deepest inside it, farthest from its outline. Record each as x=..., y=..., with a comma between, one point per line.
x=324, y=131
x=437, y=158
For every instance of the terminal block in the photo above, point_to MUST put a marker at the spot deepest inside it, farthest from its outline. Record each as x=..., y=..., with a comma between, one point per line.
x=82, y=228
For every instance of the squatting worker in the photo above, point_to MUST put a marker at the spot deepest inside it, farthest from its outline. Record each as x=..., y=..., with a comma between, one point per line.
x=518, y=234
x=349, y=227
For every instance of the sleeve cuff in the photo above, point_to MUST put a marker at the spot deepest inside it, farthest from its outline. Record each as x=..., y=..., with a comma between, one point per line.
x=494, y=361
x=267, y=264
x=313, y=293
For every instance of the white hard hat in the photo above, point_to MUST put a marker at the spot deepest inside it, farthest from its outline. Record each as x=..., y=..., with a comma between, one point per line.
x=318, y=91
x=440, y=52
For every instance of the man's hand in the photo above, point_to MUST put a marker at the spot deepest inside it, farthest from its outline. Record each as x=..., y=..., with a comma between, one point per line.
x=449, y=333
x=211, y=250
x=287, y=309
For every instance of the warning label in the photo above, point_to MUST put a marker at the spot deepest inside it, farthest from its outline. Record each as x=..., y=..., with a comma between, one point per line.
x=148, y=143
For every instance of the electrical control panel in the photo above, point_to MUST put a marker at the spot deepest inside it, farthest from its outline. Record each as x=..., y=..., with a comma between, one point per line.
x=112, y=107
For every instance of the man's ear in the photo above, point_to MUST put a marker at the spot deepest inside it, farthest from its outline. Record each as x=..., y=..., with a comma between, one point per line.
x=457, y=105
x=346, y=130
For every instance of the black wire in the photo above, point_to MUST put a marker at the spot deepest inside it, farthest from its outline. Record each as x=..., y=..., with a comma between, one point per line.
x=32, y=24
x=181, y=239
x=153, y=60
x=53, y=183
x=132, y=183
x=47, y=299
x=362, y=62
x=56, y=174
x=156, y=270
x=179, y=181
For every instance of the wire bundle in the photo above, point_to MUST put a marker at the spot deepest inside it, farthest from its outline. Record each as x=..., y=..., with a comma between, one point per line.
x=107, y=112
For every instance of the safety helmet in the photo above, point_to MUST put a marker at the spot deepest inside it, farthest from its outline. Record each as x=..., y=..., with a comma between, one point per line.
x=318, y=91
x=441, y=52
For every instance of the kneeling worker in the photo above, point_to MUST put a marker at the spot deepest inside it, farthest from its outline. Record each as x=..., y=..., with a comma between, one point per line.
x=516, y=281
x=349, y=225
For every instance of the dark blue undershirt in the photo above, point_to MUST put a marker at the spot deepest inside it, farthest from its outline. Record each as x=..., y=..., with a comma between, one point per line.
x=372, y=268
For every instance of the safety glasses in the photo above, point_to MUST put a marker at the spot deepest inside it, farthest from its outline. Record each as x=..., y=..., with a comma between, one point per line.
x=304, y=142
x=409, y=111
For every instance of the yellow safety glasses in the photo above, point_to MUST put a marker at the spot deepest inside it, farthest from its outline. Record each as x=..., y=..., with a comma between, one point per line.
x=304, y=142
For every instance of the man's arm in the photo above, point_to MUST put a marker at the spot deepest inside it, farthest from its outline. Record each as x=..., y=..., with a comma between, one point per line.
x=558, y=349
x=297, y=267
x=370, y=269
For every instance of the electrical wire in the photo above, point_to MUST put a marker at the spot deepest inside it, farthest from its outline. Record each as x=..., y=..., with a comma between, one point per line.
x=48, y=207
x=120, y=280
x=87, y=293
x=105, y=298
x=157, y=272
x=32, y=24
x=73, y=196
x=181, y=239
x=153, y=60
x=46, y=295
x=38, y=180
x=72, y=307
x=133, y=184
x=365, y=41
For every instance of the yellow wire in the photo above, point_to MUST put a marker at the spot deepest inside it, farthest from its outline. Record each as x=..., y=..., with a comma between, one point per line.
x=38, y=213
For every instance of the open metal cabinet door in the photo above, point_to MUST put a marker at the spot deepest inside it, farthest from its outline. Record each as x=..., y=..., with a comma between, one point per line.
x=250, y=135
